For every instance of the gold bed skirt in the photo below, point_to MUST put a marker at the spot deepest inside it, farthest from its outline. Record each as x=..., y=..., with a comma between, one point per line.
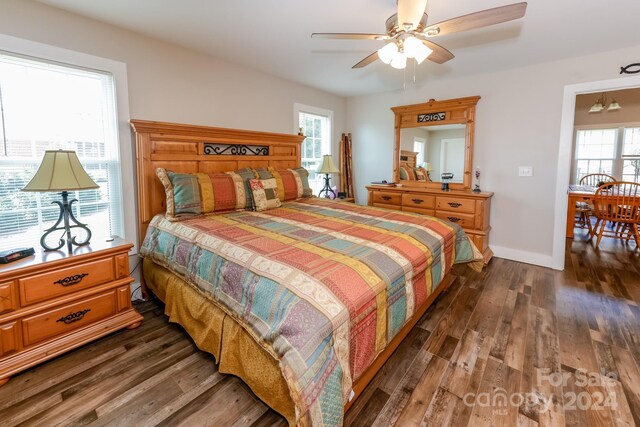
x=234, y=349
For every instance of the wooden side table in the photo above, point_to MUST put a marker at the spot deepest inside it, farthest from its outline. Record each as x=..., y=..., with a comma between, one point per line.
x=53, y=302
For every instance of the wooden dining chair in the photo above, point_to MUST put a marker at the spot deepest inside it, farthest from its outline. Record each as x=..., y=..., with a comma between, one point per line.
x=583, y=209
x=596, y=179
x=618, y=202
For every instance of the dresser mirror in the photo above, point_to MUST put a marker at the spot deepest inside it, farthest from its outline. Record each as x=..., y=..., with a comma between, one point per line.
x=438, y=136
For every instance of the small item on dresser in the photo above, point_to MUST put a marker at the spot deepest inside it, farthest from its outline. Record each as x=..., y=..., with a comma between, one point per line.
x=383, y=183
x=342, y=195
x=476, y=189
x=446, y=178
x=15, y=254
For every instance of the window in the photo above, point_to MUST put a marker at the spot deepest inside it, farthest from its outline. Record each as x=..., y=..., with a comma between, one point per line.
x=45, y=106
x=614, y=151
x=418, y=147
x=316, y=126
x=631, y=154
x=595, y=151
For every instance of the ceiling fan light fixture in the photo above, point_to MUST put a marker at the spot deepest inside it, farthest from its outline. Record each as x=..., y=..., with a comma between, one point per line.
x=412, y=46
x=423, y=53
x=614, y=105
x=399, y=61
x=388, y=52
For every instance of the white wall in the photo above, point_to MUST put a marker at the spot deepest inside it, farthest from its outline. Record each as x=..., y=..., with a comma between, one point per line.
x=517, y=124
x=171, y=83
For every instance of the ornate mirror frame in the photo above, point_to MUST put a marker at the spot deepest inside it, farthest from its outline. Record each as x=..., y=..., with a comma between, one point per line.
x=450, y=111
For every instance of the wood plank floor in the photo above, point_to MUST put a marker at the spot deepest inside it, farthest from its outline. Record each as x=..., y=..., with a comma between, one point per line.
x=514, y=345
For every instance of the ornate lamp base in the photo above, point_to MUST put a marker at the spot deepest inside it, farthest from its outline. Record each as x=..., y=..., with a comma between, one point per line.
x=66, y=217
x=327, y=188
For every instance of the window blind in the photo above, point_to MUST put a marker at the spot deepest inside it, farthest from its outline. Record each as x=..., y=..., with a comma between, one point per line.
x=47, y=106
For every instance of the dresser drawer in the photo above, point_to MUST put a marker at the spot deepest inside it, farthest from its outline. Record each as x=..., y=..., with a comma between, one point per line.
x=7, y=297
x=462, y=219
x=418, y=201
x=387, y=198
x=429, y=212
x=392, y=207
x=9, y=339
x=455, y=204
x=67, y=318
x=56, y=283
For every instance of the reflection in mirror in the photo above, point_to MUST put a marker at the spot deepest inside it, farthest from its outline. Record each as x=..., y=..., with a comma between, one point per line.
x=439, y=149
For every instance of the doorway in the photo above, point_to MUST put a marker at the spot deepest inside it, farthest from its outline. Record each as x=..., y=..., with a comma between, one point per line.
x=565, y=154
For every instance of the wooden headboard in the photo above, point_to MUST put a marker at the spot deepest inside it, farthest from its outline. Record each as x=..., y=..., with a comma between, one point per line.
x=408, y=158
x=190, y=148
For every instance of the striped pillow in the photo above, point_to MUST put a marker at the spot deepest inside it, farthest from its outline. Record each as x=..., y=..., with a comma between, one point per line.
x=422, y=174
x=265, y=194
x=189, y=194
x=408, y=173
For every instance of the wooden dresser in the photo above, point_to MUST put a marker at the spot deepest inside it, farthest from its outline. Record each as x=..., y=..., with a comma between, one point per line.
x=53, y=302
x=468, y=209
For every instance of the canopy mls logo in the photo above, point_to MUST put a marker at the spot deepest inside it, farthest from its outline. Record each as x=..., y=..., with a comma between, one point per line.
x=594, y=394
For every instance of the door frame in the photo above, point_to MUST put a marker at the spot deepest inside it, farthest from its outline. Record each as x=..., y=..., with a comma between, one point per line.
x=564, y=154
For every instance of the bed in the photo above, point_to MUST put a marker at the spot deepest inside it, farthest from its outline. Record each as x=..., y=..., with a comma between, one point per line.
x=304, y=302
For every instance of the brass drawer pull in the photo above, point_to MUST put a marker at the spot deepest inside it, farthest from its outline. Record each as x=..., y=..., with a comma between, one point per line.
x=453, y=219
x=73, y=317
x=455, y=204
x=71, y=280
x=417, y=201
x=386, y=197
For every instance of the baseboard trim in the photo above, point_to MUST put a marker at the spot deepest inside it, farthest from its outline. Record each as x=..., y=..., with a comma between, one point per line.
x=523, y=256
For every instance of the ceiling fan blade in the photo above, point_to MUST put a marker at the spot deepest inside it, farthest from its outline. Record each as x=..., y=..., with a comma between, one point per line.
x=475, y=20
x=440, y=55
x=366, y=61
x=349, y=36
x=410, y=13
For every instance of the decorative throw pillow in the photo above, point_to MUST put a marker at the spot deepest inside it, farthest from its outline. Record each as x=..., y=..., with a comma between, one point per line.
x=247, y=174
x=265, y=194
x=188, y=195
x=408, y=173
x=422, y=174
x=292, y=183
x=304, y=178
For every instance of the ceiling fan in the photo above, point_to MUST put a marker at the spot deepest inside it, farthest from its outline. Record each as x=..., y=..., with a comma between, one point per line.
x=409, y=35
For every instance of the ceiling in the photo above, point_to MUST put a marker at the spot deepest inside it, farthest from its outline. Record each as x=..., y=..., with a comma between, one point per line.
x=274, y=36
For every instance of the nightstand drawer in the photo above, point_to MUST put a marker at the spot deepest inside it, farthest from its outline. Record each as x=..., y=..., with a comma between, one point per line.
x=418, y=201
x=463, y=220
x=56, y=283
x=67, y=318
x=456, y=204
x=387, y=198
x=7, y=297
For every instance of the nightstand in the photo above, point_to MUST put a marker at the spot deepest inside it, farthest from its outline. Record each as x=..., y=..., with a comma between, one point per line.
x=53, y=302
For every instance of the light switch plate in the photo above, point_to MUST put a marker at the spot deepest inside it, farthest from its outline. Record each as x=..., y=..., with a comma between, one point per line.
x=525, y=171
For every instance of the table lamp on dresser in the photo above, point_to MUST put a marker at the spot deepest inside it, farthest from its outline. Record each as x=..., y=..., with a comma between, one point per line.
x=327, y=167
x=61, y=171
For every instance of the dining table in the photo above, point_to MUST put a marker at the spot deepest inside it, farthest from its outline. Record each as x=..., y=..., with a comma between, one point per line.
x=577, y=193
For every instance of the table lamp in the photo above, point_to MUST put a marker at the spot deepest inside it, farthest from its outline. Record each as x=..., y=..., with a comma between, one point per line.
x=61, y=170
x=428, y=167
x=327, y=167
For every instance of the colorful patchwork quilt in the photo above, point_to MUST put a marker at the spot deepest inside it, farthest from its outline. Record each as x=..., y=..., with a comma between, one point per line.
x=323, y=286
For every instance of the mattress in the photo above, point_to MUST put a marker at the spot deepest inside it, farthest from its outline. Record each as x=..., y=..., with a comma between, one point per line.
x=322, y=286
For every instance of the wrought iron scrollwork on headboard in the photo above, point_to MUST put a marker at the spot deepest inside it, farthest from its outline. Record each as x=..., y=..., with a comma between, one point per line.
x=214, y=149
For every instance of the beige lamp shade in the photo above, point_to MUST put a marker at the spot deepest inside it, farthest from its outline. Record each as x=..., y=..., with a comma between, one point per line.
x=427, y=166
x=327, y=165
x=60, y=170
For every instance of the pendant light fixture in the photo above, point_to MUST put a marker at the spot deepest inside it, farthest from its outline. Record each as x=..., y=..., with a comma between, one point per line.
x=600, y=103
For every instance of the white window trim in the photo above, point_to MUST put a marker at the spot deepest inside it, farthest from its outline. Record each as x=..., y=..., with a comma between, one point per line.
x=302, y=108
x=119, y=72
